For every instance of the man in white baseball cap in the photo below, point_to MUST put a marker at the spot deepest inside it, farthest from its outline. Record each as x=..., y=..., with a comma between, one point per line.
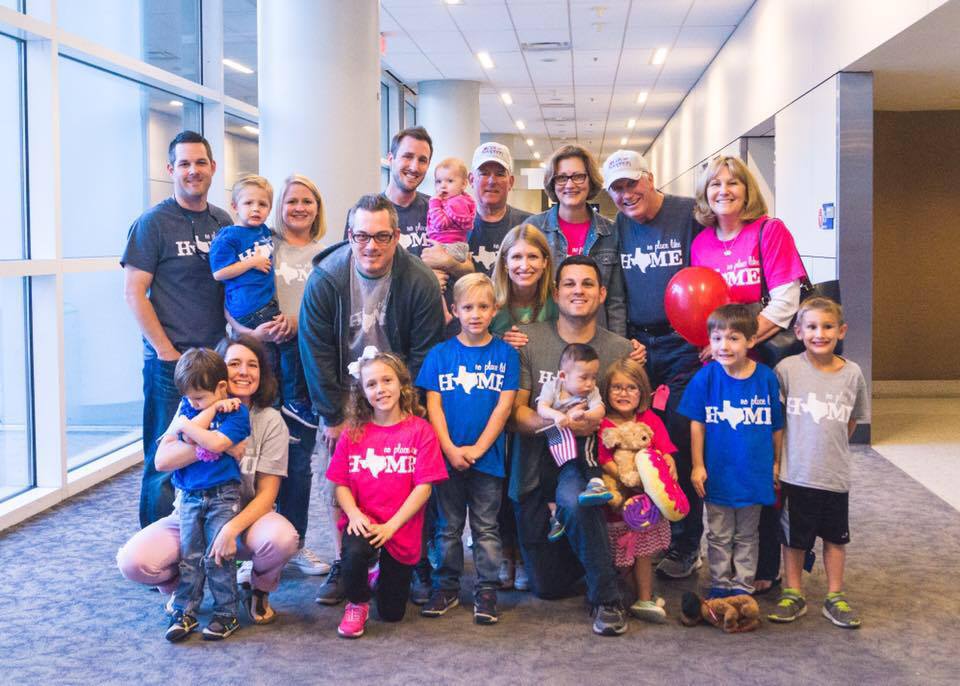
x=655, y=231
x=492, y=179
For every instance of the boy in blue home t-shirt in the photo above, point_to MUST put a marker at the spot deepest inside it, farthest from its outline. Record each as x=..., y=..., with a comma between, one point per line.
x=736, y=430
x=209, y=491
x=241, y=257
x=471, y=379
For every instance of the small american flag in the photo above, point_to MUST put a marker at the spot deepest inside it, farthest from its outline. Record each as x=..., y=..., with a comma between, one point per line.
x=562, y=444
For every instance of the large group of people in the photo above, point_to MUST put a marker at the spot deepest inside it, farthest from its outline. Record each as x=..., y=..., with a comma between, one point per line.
x=455, y=357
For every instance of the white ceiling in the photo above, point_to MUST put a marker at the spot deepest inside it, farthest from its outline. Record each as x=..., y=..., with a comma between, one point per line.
x=585, y=94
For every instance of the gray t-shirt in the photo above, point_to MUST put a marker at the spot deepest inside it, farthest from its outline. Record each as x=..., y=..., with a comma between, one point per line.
x=173, y=244
x=368, y=313
x=816, y=449
x=538, y=365
x=266, y=450
x=291, y=266
x=486, y=237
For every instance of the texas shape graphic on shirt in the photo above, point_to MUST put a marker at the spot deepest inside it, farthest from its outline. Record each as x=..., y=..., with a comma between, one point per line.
x=289, y=273
x=486, y=257
x=732, y=415
x=491, y=378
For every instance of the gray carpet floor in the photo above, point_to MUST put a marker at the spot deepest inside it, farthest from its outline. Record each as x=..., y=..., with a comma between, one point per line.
x=70, y=618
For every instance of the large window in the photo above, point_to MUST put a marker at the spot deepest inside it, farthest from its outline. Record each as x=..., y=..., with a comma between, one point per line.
x=240, y=50
x=241, y=150
x=11, y=161
x=16, y=443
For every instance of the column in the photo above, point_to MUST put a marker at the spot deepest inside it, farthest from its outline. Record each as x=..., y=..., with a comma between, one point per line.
x=450, y=112
x=319, y=91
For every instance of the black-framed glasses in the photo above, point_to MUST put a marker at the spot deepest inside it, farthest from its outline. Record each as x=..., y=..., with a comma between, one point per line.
x=381, y=238
x=562, y=179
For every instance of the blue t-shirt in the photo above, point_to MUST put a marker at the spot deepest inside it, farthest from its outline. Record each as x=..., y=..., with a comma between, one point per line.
x=741, y=416
x=200, y=475
x=469, y=381
x=247, y=293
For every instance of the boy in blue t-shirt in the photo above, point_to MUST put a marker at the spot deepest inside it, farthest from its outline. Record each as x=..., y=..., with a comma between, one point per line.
x=209, y=491
x=473, y=379
x=240, y=257
x=736, y=431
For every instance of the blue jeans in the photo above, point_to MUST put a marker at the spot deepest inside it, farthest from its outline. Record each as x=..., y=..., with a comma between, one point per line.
x=160, y=402
x=556, y=569
x=293, y=384
x=293, y=501
x=202, y=514
x=673, y=361
x=481, y=493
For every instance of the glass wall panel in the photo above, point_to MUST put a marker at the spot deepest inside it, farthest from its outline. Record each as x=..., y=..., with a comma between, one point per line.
x=16, y=444
x=241, y=150
x=240, y=50
x=11, y=161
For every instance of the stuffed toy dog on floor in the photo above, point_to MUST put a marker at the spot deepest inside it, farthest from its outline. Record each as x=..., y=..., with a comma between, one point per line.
x=734, y=614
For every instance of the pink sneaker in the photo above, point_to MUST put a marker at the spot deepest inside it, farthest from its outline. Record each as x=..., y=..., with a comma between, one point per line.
x=354, y=620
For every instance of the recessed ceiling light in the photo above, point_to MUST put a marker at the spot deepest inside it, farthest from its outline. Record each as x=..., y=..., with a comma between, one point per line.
x=507, y=98
x=176, y=103
x=660, y=56
x=642, y=98
x=631, y=123
x=521, y=125
x=623, y=141
x=536, y=155
x=485, y=60
x=530, y=142
x=236, y=66
x=543, y=165
x=453, y=2
x=251, y=129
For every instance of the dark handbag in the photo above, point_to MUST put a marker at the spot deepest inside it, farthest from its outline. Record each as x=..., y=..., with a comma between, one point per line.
x=785, y=343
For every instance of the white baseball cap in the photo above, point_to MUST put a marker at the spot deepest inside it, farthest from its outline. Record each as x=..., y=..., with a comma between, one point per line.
x=623, y=164
x=492, y=152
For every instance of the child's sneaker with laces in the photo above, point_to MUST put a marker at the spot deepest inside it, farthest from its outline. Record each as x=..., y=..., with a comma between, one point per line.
x=557, y=529
x=354, y=620
x=790, y=607
x=650, y=610
x=596, y=493
x=440, y=601
x=220, y=627
x=838, y=610
x=181, y=625
x=302, y=412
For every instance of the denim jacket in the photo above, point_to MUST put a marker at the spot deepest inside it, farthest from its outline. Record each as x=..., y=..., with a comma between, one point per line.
x=602, y=245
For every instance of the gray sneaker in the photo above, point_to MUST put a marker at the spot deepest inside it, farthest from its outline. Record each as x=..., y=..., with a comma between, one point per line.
x=331, y=591
x=609, y=620
x=677, y=566
x=790, y=607
x=521, y=580
x=838, y=610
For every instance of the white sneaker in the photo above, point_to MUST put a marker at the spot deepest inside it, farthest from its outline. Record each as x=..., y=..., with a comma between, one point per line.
x=243, y=574
x=308, y=563
x=521, y=581
x=168, y=607
x=507, y=574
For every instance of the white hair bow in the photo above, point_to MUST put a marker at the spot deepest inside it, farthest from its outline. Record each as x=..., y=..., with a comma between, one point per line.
x=368, y=353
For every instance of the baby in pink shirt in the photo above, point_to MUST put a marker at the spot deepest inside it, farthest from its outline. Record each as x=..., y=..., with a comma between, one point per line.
x=451, y=212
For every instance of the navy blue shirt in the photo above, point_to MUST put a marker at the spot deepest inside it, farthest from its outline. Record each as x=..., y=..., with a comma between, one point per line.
x=469, y=381
x=252, y=290
x=200, y=475
x=741, y=416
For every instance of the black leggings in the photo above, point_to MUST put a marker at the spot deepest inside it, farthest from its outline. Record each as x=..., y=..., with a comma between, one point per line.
x=393, y=587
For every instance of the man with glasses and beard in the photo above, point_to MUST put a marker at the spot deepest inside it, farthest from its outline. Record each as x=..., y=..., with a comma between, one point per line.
x=173, y=296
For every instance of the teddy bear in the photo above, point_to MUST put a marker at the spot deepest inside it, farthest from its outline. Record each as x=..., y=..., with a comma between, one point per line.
x=734, y=614
x=625, y=440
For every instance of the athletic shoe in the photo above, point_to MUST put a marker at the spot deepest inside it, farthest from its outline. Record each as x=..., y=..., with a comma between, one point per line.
x=220, y=627
x=244, y=572
x=168, y=608
x=557, y=529
x=331, y=591
x=181, y=625
x=596, y=493
x=485, y=607
x=421, y=589
x=508, y=572
x=609, y=620
x=258, y=607
x=838, y=610
x=521, y=580
x=790, y=607
x=677, y=566
x=308, y=563
x=302, y=412
x=440, y=601
x=650, y=610
x=354, y=620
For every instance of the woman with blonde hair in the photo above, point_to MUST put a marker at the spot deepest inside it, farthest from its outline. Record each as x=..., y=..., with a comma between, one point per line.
x=522, y=283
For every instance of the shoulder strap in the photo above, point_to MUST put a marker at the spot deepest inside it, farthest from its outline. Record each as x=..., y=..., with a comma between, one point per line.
x=764, y=291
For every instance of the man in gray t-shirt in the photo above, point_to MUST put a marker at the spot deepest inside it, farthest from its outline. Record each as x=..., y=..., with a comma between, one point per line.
x=555, y=568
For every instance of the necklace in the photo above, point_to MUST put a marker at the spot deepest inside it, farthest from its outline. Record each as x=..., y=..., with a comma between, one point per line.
x=728, y=245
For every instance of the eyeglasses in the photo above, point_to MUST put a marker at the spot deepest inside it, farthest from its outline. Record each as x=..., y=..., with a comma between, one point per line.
x=631, y=389
x=381, y=238
x=562, y=179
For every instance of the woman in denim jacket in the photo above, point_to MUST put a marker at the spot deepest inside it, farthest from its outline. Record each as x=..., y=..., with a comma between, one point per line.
x=572, y=227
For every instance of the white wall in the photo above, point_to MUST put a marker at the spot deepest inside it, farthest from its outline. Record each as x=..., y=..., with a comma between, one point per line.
x=781, y=50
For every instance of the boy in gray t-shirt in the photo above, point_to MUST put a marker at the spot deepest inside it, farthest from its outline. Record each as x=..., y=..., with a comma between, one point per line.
x=824, y=397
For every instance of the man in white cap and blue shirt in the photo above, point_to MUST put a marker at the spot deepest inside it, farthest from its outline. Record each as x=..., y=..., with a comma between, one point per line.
x=491, y=175
x=655, y=231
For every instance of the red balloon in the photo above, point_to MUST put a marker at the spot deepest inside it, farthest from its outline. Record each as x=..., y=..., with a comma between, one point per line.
x=692, y=294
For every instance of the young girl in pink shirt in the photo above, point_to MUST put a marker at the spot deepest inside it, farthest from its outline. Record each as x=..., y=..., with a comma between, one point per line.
x=383, y=466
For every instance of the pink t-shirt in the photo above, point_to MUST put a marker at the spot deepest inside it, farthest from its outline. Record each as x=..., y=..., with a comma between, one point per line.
x=661, y=441
x=576, y=235
x=382, y=469
x=741, y=268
